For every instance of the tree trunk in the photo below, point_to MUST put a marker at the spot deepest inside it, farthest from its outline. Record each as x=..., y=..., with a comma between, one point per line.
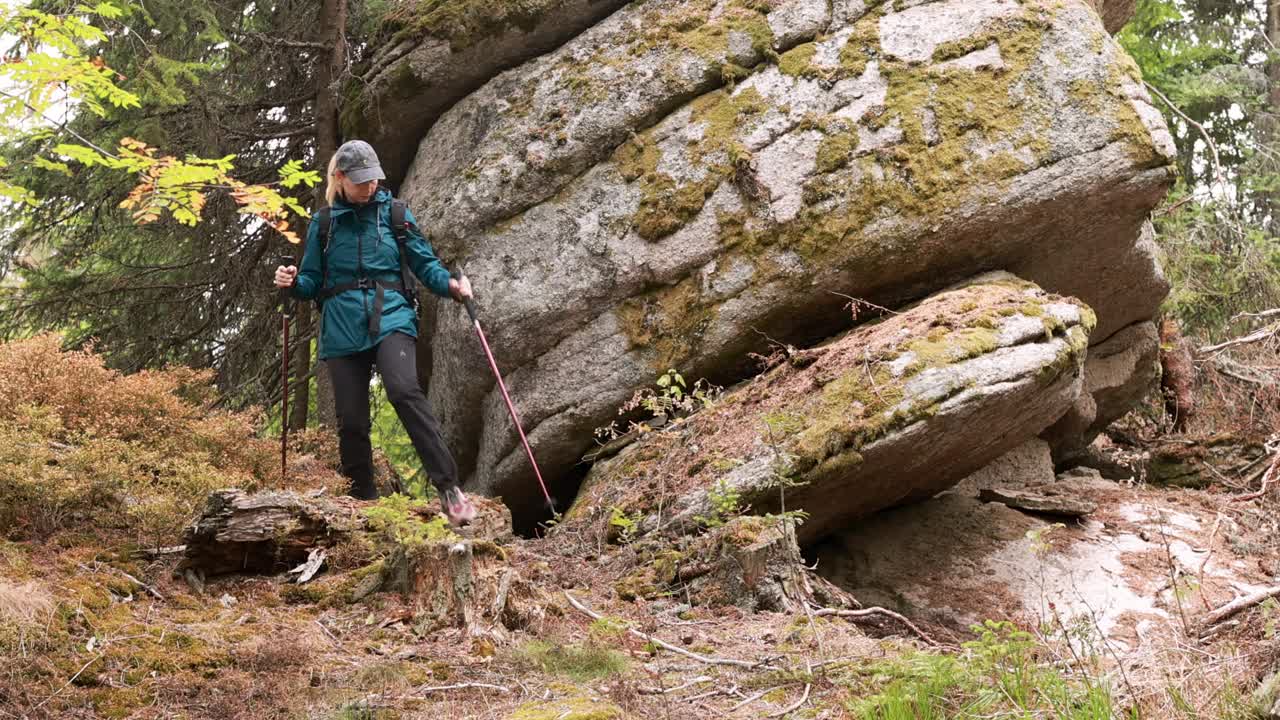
x=1269, y=119
x=1273, y=68
x=333, y=21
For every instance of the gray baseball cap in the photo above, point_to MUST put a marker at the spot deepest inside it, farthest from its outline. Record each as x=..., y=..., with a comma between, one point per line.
x=358, y=161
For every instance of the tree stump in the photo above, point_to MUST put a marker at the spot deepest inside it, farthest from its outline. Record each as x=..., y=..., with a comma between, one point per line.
x=461, y=583
x=1178, y=374
x=752, y=562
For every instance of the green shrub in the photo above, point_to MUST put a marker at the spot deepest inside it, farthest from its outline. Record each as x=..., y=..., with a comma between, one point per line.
x=996, y=676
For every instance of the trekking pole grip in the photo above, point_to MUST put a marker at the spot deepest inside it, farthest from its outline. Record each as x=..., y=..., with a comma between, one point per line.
x=286, y=261
x=468, y=302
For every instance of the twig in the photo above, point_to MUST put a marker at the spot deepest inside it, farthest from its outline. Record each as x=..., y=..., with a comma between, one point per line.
x=1235, y=606
x=1175, y=206
x=1240, y=371
x=855, y=302
x=157, y=552
x=1252, y=337
x=1267, y=478
x=1209, y=632
x=878, y=611
x=866, y=365
x=1066, y=634
x=1274, y=312
x=666, y=645
x=68, y=683
x=332, y=639
x=696, y=681
x=150, y=590
x=711, y=693
x=1217, y=165
x=796, y=706
x=1200, y=575
x=1173, y=574
x=461, y=686
x=1106, y=644
x=754, y=698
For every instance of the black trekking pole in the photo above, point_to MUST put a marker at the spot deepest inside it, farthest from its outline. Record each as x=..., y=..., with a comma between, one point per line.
x=470, y=304
x=286, y=309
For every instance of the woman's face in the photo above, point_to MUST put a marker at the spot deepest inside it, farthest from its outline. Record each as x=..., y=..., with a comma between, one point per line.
x=356, y=193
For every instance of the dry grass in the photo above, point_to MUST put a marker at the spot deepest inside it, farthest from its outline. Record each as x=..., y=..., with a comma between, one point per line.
x=24, y=604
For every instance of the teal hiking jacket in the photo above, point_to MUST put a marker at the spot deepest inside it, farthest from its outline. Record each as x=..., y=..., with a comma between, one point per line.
x=361, y=243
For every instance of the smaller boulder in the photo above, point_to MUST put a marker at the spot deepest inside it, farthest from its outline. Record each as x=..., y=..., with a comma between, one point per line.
x=1045, y=501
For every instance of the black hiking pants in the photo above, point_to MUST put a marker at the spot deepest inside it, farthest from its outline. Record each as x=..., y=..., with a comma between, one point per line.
x=396, y=363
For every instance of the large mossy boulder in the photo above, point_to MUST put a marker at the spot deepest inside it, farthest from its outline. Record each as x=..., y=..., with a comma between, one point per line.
x=891, y=412
x=689, y=176
x=435, y=53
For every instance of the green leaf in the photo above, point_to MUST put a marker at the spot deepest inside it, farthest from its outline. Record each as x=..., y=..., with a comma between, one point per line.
x=107, y=10
x=47, y=164
x=84, y=155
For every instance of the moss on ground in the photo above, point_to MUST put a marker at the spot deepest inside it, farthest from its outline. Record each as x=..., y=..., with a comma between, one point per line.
x=652, y=578
x=579, y=707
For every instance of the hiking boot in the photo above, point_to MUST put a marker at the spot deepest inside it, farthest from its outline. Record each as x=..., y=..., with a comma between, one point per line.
x=457, y=508
x=362, y=487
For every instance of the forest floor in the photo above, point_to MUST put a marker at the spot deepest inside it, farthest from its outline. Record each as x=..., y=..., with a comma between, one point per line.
x=1112, y=605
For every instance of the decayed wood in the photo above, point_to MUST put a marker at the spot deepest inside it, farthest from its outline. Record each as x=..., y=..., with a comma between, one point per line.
x=275, y=531
x=1039, y=501
x=753, y=563
x=265, y=532
x=867, y=612
x=456, y=580
x=1178, y=374
x=459, y=583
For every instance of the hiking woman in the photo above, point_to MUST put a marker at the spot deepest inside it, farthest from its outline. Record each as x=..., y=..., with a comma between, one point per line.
x=352, y=264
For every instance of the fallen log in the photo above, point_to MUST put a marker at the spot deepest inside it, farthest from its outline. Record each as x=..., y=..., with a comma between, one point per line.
x=1239, y=604
x=273, y=532
x=448, y=579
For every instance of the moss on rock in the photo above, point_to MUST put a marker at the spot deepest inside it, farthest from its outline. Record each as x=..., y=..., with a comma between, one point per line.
x=463, y=22
x=933, y=169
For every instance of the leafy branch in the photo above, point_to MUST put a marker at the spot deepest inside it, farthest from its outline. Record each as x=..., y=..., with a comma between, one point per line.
x=50, y=65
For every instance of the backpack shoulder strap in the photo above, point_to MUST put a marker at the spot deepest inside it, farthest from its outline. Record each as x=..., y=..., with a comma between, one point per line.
x=324, y=219
x=398, y=223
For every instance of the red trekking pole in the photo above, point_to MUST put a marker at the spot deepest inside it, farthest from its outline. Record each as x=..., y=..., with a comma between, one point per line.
x=285, y=311
x=470, y=304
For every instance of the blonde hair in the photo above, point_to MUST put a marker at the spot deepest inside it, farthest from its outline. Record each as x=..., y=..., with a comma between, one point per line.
x=331, y=190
